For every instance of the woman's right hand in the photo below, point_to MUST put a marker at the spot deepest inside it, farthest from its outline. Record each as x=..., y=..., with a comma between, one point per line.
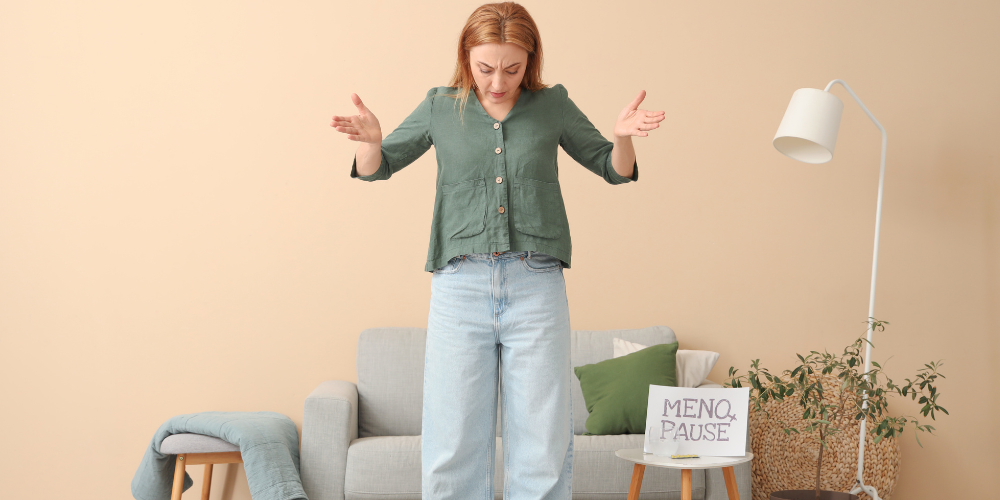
x=363, y=127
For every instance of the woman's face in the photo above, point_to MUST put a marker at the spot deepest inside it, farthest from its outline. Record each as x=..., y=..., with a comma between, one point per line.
x=498, y=70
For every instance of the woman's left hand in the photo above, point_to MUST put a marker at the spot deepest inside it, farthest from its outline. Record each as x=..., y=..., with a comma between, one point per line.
x=635, y=121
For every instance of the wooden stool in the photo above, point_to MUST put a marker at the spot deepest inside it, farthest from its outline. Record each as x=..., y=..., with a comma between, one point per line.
x=198, y=449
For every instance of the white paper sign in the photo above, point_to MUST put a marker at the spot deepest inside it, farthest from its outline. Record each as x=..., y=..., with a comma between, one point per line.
x=710, y=421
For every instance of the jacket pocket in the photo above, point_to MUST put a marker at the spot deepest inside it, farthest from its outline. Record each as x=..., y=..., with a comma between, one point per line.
x=463, y=208
x=538, y=207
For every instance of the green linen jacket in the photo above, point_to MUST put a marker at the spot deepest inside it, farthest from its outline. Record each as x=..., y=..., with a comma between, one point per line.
x=497, y=180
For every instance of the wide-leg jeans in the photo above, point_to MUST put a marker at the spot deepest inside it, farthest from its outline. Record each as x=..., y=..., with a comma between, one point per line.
x=498, y=315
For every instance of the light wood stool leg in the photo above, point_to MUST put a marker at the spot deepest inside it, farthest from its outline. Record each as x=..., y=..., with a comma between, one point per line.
x=206, y=484
x=730, y=475
x=633, y=489
x=178, y=488
x=685, y=484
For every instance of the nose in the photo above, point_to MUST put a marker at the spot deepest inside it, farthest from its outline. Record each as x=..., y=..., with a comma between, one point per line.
x=497, y=80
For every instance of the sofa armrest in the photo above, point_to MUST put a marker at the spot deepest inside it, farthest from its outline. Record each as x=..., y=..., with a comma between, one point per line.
x=329, y=425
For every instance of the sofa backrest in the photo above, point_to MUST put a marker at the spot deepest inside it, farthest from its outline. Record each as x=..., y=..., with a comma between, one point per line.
x=391, y=375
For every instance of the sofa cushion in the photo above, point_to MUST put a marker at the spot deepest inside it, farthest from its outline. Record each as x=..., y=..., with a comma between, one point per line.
x=616, y=390
x=388, y=468
x=593, y=346
x=391, y=382
x=693, y=366
x=390, y=368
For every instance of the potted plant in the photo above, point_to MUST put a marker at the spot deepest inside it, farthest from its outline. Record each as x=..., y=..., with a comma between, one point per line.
x=857, y=395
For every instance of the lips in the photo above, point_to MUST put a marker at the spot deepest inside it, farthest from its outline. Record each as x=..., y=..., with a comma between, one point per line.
x=494, y=94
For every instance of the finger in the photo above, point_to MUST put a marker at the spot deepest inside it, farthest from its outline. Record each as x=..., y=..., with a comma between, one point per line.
x=635, y=103
x=654, y=113
x=357, y=102
x=347, y=130
x=355, y=123
x=655, y=120
x=340, y=125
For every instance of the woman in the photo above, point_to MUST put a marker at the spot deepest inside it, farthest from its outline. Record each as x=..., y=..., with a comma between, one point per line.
x=499, y=242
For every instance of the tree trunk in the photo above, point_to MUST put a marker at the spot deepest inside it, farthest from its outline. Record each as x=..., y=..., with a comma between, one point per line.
x=819, y=463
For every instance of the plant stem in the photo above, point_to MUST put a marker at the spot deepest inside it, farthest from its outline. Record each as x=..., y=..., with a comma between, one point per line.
x=819, y=464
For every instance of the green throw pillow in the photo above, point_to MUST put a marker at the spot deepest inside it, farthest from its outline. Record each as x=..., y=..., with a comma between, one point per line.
x=617, y=390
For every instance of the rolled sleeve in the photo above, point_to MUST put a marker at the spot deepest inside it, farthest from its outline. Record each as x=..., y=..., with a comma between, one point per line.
x=614, y=177
x=409, y=141
x=381, y=174
x=585, y=144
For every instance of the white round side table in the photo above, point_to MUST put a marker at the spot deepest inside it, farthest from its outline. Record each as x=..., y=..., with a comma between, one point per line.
x=685, y=465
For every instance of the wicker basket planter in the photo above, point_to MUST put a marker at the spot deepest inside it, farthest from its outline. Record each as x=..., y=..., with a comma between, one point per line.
x=788, y=462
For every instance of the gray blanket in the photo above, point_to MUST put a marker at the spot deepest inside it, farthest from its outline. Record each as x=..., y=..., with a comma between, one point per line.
x=268, y=441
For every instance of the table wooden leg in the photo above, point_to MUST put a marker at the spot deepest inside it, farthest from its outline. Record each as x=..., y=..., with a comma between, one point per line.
x=685, y=484
x=633, y=490
x=730, y=475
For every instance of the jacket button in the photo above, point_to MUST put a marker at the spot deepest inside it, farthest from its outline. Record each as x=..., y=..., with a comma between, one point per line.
x=499, y=180
x=496, y=126
x=498, y=150
x=501, y=210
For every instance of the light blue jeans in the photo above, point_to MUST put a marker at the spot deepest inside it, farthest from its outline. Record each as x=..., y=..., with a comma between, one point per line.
x=490, y=315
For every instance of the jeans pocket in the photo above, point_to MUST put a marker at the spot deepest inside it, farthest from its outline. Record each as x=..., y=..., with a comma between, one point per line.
x=463, y=208
x=541, y=263
x=452, y=267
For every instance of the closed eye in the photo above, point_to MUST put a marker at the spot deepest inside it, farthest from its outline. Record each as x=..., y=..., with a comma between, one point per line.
x=488, y=72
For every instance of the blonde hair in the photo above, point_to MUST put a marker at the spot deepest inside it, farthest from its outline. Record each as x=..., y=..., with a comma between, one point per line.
x=506, y=22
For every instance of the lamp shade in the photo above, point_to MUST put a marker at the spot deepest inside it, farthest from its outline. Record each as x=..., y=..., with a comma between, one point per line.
x=808, y=131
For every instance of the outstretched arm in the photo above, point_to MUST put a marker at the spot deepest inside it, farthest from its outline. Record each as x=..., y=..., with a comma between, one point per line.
x=379, y=158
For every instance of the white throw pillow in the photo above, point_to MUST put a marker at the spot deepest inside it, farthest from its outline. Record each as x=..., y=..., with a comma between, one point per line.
x=692, y=366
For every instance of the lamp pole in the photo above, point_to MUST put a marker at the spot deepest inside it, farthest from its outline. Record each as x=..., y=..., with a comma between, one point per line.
x=859, y=484
x=808, y=133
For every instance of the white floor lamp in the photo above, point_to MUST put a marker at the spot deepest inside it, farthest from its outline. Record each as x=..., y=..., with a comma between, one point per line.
x=808, y=133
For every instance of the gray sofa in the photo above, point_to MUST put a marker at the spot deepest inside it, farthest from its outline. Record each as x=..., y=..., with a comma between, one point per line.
x=362, y=441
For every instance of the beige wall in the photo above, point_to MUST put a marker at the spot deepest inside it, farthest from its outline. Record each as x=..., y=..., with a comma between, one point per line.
x=178, y=231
